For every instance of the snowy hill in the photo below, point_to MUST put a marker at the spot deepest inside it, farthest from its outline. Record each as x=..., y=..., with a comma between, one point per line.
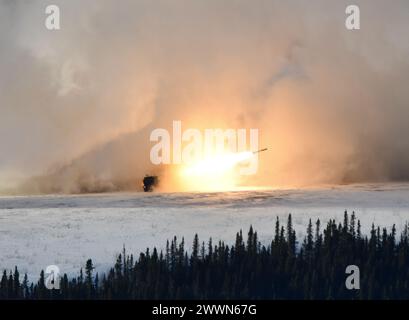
x=37, y=231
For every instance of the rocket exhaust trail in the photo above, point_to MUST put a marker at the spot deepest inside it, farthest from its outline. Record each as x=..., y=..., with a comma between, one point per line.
x=261, y=150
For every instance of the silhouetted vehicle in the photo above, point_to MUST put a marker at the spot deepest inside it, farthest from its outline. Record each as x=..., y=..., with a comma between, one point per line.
x=149, y=182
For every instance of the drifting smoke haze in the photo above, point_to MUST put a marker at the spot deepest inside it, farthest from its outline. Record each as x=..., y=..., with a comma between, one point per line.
x=77, y=105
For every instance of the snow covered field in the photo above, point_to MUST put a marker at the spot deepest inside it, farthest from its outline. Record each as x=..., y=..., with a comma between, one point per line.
x=36, y=231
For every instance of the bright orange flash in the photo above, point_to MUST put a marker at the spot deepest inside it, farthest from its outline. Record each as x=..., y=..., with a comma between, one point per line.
x=214, y=173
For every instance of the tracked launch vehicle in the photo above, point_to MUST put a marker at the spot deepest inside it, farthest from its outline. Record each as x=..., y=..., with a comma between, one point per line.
x=149, y=183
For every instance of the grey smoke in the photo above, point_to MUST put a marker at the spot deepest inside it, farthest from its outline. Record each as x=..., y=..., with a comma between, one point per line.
x=77, y=105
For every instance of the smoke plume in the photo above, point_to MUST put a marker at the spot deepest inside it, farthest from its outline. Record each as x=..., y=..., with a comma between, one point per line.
x=77, y=105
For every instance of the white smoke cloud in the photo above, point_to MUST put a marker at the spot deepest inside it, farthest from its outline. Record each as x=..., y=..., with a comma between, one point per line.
x=76, y=104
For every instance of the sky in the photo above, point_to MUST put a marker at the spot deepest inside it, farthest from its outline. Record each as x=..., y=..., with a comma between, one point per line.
x=77, y=104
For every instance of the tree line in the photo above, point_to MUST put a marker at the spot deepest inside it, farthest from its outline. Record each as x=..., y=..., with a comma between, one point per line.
x=283, y=269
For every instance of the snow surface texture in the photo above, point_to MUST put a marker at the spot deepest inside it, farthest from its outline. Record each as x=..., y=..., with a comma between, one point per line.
x=37, y=231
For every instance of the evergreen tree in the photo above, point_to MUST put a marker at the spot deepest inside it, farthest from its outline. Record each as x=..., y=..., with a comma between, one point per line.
x=246, y=270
